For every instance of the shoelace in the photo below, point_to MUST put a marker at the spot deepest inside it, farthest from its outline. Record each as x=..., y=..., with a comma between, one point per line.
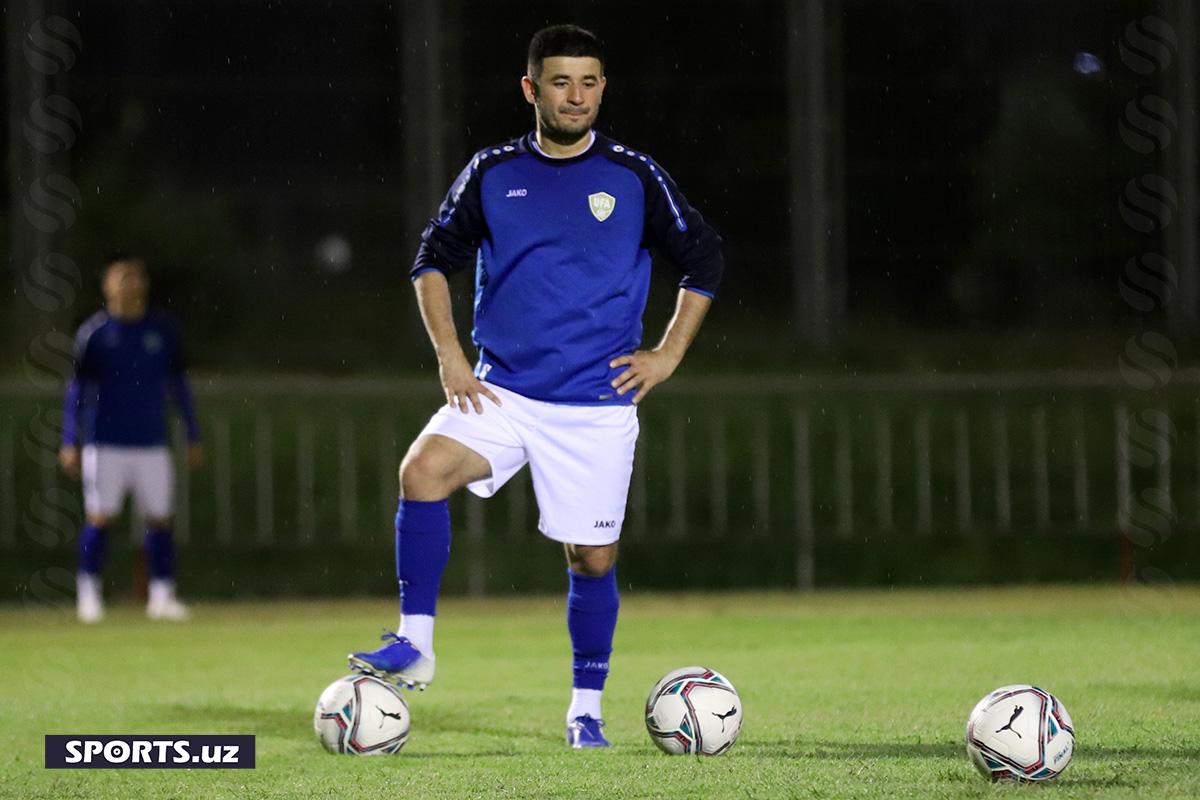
x=389, y=636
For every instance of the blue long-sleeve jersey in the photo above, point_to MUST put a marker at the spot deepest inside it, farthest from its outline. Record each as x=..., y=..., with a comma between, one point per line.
x=124, y=372
x=562, y=263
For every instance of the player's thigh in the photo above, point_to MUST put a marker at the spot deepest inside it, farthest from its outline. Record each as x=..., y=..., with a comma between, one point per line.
x=436, y=458
x=582, y=464
x=153, y=482
x=106, y=480
x=479, y=451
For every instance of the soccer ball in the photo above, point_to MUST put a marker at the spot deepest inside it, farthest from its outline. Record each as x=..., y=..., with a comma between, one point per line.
x=1020, y=733
x=694, y=710
x=361, y=715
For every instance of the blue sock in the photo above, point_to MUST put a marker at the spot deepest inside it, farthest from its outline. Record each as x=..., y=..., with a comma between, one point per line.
x=92, y=541
x=592, y=605
x=160, y=554
x=422, y=552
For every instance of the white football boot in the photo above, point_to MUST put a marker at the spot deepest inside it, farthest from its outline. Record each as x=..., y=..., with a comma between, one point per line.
x=163, y=604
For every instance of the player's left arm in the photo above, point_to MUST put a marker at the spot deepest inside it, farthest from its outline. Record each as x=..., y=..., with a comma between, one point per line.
x=648, y=368
x=181, y=393
x=682, y=234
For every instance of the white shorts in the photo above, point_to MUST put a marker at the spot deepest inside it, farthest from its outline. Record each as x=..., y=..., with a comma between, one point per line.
x=110, y=473
x=581, y=459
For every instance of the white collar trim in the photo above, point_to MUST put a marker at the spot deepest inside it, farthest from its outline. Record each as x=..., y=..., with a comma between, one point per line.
x=591, y=141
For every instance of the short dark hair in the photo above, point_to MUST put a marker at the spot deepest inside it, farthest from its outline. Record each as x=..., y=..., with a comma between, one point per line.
x=571, y=41
x=123, y=258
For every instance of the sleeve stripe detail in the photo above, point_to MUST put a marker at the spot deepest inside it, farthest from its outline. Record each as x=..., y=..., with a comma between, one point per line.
x=707, y=294
x=87, y=330
x=472, y=171
x=458, y=190
x=679, y=223
x=92, y=325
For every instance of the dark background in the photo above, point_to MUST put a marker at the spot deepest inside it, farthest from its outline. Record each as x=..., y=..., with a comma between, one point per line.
x=997, y=386
x=978, y=172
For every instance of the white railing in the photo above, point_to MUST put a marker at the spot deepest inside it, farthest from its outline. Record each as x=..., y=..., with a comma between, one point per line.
x=759, y=456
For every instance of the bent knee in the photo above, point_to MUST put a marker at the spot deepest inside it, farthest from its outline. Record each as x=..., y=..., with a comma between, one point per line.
x=428, y=473
x=592, y=561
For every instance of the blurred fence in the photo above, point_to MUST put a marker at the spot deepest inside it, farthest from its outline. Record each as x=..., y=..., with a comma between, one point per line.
x=738, y=480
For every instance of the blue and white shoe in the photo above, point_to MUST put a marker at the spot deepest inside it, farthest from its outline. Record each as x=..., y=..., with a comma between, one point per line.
x=397, y=662
x=584, y=731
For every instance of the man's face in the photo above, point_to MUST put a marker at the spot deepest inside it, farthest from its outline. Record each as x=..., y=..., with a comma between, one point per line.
x=125, y=286
x=566, y=95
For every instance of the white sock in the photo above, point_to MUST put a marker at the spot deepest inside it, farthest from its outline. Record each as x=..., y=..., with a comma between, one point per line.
x=418, y=629
x=585, y=701
x=160, y=591
x=87, y=588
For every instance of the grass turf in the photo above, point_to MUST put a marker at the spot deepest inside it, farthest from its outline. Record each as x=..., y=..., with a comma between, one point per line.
x=846, y=694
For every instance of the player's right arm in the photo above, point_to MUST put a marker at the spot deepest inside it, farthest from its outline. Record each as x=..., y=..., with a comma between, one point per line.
x=68, y=451
x=458, y=379
x=449, y=244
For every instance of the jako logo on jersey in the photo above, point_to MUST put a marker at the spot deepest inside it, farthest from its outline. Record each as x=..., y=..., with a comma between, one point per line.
x=517, y=193
x=602, y=205
x=605, y=523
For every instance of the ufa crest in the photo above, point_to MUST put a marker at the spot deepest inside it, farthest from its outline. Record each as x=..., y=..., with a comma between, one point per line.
x=602, y=205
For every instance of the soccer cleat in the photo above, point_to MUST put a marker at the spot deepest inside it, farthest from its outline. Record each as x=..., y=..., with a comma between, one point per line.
x=162, y=602
x=397, y=662
x=170, y=609
x=584, y=731
x=89, y=602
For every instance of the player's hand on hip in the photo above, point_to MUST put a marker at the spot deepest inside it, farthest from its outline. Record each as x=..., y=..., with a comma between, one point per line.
x=647, y=369
x=68, y=459
x=462, y=387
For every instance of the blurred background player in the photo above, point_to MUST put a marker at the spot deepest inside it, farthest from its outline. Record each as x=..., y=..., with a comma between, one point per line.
x=127, y=361
x=560, y=220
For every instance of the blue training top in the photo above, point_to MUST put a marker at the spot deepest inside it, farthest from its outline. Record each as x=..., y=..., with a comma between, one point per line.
x=562, y=263
x=123, y=374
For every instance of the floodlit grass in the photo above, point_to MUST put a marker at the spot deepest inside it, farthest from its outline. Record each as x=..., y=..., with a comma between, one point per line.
x=847, y=694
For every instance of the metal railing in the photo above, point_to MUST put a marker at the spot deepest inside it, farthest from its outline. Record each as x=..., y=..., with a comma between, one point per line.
x=297, y=462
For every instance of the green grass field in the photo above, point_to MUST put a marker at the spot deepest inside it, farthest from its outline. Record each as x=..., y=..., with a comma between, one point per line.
x=846, y=694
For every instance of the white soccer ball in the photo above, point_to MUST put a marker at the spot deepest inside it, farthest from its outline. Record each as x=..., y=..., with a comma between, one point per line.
x=694, y=710
x=361, y=715
x=1020, y=733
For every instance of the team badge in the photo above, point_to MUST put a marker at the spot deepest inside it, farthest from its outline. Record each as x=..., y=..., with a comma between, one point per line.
x=152, y=342
x=602, y=205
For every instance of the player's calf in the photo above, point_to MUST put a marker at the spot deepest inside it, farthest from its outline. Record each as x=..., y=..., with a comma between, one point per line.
x=162, y=604
x=89, y=595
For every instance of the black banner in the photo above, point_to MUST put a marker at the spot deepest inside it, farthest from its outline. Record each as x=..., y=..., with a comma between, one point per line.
x=154, y=751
